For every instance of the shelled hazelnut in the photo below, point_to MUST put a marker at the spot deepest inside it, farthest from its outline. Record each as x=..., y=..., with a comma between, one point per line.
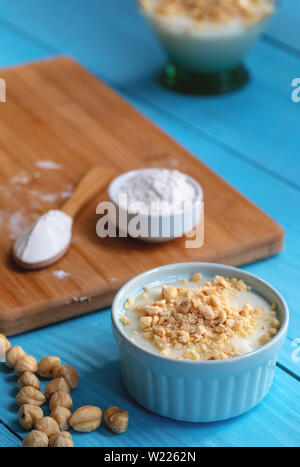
x=61, y=440
x=36, y=439
x=58, y=384
x=30, y=395
x=13, y=355
x=48, y=425
x=48, y=367
x=29, y=416
x=69, y=374
x=26, y=363
x=116, y=419
x=29, y=379
x=4, y=345
x=86, y=419
x=61, y=399
x=62, y=416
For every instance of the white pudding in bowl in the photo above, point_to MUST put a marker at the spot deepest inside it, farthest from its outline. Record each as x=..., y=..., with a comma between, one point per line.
x=207, y=36
x=200, y=319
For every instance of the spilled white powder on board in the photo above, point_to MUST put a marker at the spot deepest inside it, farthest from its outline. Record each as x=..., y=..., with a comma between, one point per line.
x=49, y=197
x=48, y=165
x=60, y=274
x=17, y=223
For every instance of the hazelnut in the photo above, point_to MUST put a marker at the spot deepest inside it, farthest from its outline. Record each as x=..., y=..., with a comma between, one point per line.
x=69, y=374
x=61, y=440
x=36, y=439
x=58, y=384
x=29, y=416
x=29, y=379
x=62, y=416
x=61, y=399
x=48, y=367
x=86, y=419
x=116, y=419
x=30, y=395
x=26, y=363
x=48, y=425
x=169, y=292
x=13, y=355
x=4, y=345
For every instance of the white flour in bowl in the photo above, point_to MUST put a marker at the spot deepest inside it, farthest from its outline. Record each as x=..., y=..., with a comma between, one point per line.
x=163, y=189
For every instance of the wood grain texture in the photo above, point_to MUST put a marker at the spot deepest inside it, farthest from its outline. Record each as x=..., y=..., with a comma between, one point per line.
x=87, y=344
x=8, y=439
x=67, y=116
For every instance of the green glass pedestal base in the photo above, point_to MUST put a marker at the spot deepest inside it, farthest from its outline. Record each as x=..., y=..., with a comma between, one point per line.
x=189, y=82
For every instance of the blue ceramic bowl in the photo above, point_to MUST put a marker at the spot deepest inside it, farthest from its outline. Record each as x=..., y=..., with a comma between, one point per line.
x=197, y=391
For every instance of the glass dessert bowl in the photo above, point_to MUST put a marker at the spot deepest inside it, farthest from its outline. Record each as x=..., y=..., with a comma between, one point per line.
x=206, y=40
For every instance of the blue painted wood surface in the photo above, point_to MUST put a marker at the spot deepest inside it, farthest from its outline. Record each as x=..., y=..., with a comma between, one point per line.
x=251, y=138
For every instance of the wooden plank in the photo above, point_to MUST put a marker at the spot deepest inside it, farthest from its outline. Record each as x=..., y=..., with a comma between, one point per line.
x=285, y=25
x=7, y=439
x=59, y=118
x=97, y=360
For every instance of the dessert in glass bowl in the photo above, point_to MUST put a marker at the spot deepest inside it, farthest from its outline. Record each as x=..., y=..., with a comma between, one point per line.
x=206, y=40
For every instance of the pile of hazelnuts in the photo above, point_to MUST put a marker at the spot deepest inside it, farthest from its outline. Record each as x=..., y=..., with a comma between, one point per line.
x=52, y=431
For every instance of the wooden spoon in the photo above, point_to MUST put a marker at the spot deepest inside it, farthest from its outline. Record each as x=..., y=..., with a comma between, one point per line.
x=94, y=181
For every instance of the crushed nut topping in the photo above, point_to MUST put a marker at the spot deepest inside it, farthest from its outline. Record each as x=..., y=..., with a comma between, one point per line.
x=129, y=303
x=125, y=320
x=202, y=321
x=216, y=11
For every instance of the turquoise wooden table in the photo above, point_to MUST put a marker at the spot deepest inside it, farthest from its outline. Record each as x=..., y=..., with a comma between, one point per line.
x=251, y=138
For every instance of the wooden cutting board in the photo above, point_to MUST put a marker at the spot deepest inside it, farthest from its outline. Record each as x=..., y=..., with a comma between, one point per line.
x=57, y=112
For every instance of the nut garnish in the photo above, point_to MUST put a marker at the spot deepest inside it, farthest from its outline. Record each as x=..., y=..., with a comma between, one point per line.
x=26, y=363
x=36, y=439
x=48, y=367
x=62, y=416
x=216, y=11
x=69, y=374
x=58, y=384
x=30, y=395
x=196, y=277
x=29, y=379
x=86, y=419
x=13, y=355
x=29, y=416
x=116, y=419
x=202, y=321
x=125, y=320
x=61, y=399
x=61, y=440
x=48, y=425
x=129, y=303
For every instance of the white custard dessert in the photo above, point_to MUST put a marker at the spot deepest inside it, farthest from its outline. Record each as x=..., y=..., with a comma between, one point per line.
x=207, y=36
x=200, y=319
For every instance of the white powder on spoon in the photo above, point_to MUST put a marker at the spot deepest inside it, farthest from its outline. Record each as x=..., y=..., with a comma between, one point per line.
x=170, y=189
x=45, y=239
